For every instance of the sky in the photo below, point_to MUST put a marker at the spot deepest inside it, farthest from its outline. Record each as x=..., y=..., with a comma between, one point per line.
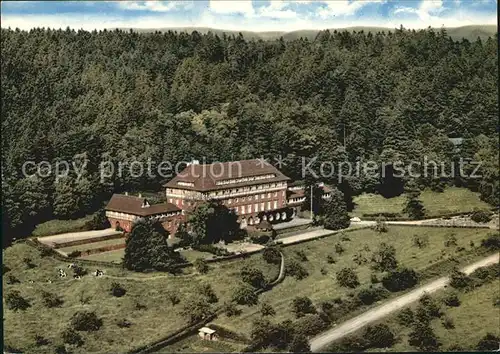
x=248, y=15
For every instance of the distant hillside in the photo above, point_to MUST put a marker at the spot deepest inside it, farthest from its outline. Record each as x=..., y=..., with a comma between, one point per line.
x=457, y=33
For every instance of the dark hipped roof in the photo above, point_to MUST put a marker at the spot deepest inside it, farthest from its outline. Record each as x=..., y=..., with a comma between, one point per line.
x=133, y=205
x=204, y=177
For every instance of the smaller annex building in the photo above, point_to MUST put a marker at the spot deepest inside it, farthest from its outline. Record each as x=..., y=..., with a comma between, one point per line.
x=123, y=210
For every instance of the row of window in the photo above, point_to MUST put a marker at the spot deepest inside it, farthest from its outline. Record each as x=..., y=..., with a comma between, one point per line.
x=248, y=209
x=235, y=200
x=253, y=197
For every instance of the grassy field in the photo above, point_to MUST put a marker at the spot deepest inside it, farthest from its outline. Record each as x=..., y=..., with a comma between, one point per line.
x=452, y=200
x=54, y=227
x=157, y=320
x=193, y=344
x=116, y=255
x=160, y=317
x=473, y=319
x=93, y=245
x=321, y=287
x=109, y=256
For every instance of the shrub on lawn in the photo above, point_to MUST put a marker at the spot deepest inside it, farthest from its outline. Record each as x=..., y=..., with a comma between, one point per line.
x=11, y=279
x=301, y=255
x=29, y=263
x=79, y=271
x=253, y=276
x=427, y=309
x=359, y=258
x=447, y=322
x=245, y=295
x=299, y=344
x=380, y=226
x=201, y=265
x=330, y=259
x=352, y=344
x=400, y=279
x=310, y=324
x=117, y=290
x=374, y=279
x=231, y=310
x=196, y=310
x=86, y=321
x=420, y=241
x=295, y=269
x=267, y=310
x=51, y=300
x=348, y=278
x=492, y=241
x=124, y=323
x=379, y=336
x=450, y=241
x=488, y=342
x=423, y=337
x=70, y=336
x=272, y=255
x=60, y=349
x=370, y=295
x=210, y=248
x=406, y=317
x=173, y=296
x=460, y=280
x=75, y=254
x=302, y=306
x=339, y=248
x=481, y=216
x=384, y=259
x=208, y=292
x=41, y=341
x=451, y=299
x=15, y=301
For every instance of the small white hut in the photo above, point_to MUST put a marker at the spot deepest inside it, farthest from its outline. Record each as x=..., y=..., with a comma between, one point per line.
x=207, y=333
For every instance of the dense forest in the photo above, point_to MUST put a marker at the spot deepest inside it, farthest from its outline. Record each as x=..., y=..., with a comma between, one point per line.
x=120, y=96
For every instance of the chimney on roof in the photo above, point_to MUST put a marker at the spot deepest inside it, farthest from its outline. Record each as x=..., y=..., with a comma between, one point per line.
x=126, y=193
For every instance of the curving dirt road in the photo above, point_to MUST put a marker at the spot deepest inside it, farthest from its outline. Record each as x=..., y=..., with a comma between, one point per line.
x=321, y=341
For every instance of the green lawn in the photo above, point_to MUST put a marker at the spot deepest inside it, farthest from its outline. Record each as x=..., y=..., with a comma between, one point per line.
x=93, y=245
x=54, y=227
x=116, y=255
x=109, y=256
x=194, y=344
x=160, y=318
x=452, y=200
x=321, y=287
x=153, y=323
x=473, y=319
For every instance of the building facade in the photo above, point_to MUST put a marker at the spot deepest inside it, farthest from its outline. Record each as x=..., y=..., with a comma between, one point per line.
x=254, y=189
x=123, y=210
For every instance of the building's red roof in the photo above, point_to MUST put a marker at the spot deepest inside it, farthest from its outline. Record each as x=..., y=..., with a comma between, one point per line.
x=205, y=177
x=133, y=205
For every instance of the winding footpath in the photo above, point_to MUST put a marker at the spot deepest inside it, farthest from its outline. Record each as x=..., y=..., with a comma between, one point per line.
x=319, y=342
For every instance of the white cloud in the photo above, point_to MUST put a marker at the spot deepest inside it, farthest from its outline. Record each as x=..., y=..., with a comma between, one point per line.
x=427, y=10
x=344, y=7
x=226, y=7
x=156, y=6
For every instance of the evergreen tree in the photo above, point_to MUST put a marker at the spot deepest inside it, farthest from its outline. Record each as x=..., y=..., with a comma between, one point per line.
x=335, y=214
x=146, y=248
